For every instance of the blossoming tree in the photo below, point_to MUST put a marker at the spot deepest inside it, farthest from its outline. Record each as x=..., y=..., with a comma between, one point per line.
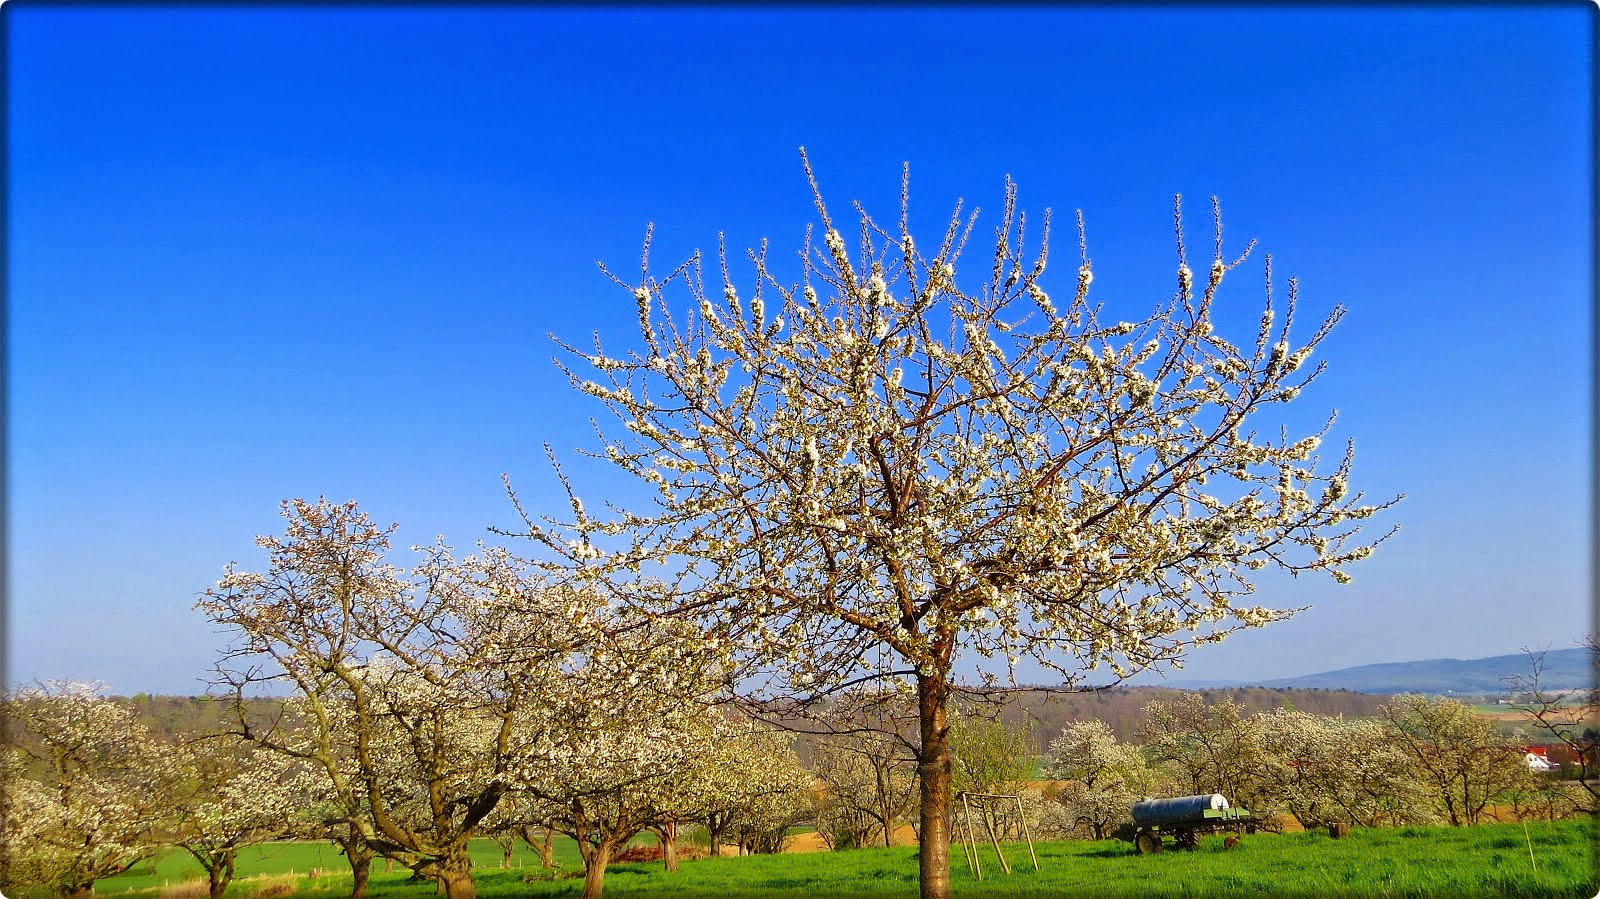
x=1104, y=777
x=426, y=696
x=636, y=719
x=762, y=791
x=233, y=796
x=88, y=790
x=1208, y=747
x=899, y=459
x=1327, y=769
x=1462, y=757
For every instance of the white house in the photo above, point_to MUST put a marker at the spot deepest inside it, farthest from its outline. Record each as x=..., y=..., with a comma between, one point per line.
x=1536, y=760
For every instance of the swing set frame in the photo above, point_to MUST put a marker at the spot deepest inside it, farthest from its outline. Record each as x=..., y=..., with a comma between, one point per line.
x=986, y=803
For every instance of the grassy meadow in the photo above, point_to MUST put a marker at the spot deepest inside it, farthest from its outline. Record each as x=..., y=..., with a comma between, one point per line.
x=1486, y=861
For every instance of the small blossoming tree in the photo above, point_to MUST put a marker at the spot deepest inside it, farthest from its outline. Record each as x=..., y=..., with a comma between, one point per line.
x=869, y=783
x=88, y=790
x=232, y=796
x=1208, y=747
x=899, y=459
x=1322, y=770
x=1104, y=777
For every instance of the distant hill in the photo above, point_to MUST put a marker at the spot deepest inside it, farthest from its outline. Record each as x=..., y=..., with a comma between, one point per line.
x=1564, y=669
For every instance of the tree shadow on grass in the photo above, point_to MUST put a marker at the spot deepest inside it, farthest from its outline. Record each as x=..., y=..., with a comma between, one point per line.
x=1107, y=852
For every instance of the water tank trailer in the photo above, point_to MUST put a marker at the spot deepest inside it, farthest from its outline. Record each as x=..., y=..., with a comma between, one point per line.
x=1186, y=818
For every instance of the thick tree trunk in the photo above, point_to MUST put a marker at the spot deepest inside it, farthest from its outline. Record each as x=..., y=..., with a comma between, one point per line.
x=219, y=875
x=669, y=846
x=455, y=875
x=360, y=868
x=934, y=766
x=458, y=884
x=594, y=869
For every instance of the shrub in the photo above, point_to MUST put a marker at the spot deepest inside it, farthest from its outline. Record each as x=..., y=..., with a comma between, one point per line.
x=638, y=854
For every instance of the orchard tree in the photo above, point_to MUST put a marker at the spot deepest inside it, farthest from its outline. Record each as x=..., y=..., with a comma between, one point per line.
x=1324, y=769
x=773, y=793
x=1211, y=747
x=987, y=756
x=1461, y=755
x=1104, y=777
x=747, y=784
x=758, y=790
x=870, y=783
x=428, y=695
x=901, y=458
x=624, y=765
x=233, y=796
x=527, y=818
x=88, y=790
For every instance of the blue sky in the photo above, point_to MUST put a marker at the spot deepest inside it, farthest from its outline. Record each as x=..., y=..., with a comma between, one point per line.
x=272, y=252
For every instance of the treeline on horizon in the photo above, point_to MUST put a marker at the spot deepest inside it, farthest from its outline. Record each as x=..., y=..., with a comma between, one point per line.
x=1041, y=715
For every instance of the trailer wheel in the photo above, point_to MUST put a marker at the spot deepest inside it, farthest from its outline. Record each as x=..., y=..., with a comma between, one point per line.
x=1147, y=842
x=1188, y=839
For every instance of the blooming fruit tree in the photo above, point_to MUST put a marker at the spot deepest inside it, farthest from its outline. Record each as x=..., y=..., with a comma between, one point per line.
x=234, y=794
x=1324, y=770
x=899, y=458
x=88, y=790
x=1104, y=777
x=423, y=697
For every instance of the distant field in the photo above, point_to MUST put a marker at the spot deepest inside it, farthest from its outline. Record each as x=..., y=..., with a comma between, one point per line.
x=1415, y=862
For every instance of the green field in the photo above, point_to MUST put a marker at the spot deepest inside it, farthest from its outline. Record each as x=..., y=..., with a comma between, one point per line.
x=1488, y=861
x=301, y=858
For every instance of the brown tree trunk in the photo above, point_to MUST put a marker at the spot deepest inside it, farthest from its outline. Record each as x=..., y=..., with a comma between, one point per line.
x=594, y=869
x=458, y=884
x=669, y=845
x=547, y=849
x=545, y=846
x=360, y=868
x=455, y=875
x=219, y=875
x=885, y=809
x=934, y=766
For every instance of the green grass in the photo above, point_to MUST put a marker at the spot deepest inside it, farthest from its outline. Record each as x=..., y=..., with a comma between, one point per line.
x=300, y=858
x=1404, y=863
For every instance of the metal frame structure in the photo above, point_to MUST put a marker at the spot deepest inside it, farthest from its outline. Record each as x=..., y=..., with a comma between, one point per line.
x=986, y=803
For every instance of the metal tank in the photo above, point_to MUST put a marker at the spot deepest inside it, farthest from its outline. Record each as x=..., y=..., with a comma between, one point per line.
x=1183, y=809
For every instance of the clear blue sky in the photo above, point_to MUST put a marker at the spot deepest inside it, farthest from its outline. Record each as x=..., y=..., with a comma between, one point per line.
x=261, y=253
